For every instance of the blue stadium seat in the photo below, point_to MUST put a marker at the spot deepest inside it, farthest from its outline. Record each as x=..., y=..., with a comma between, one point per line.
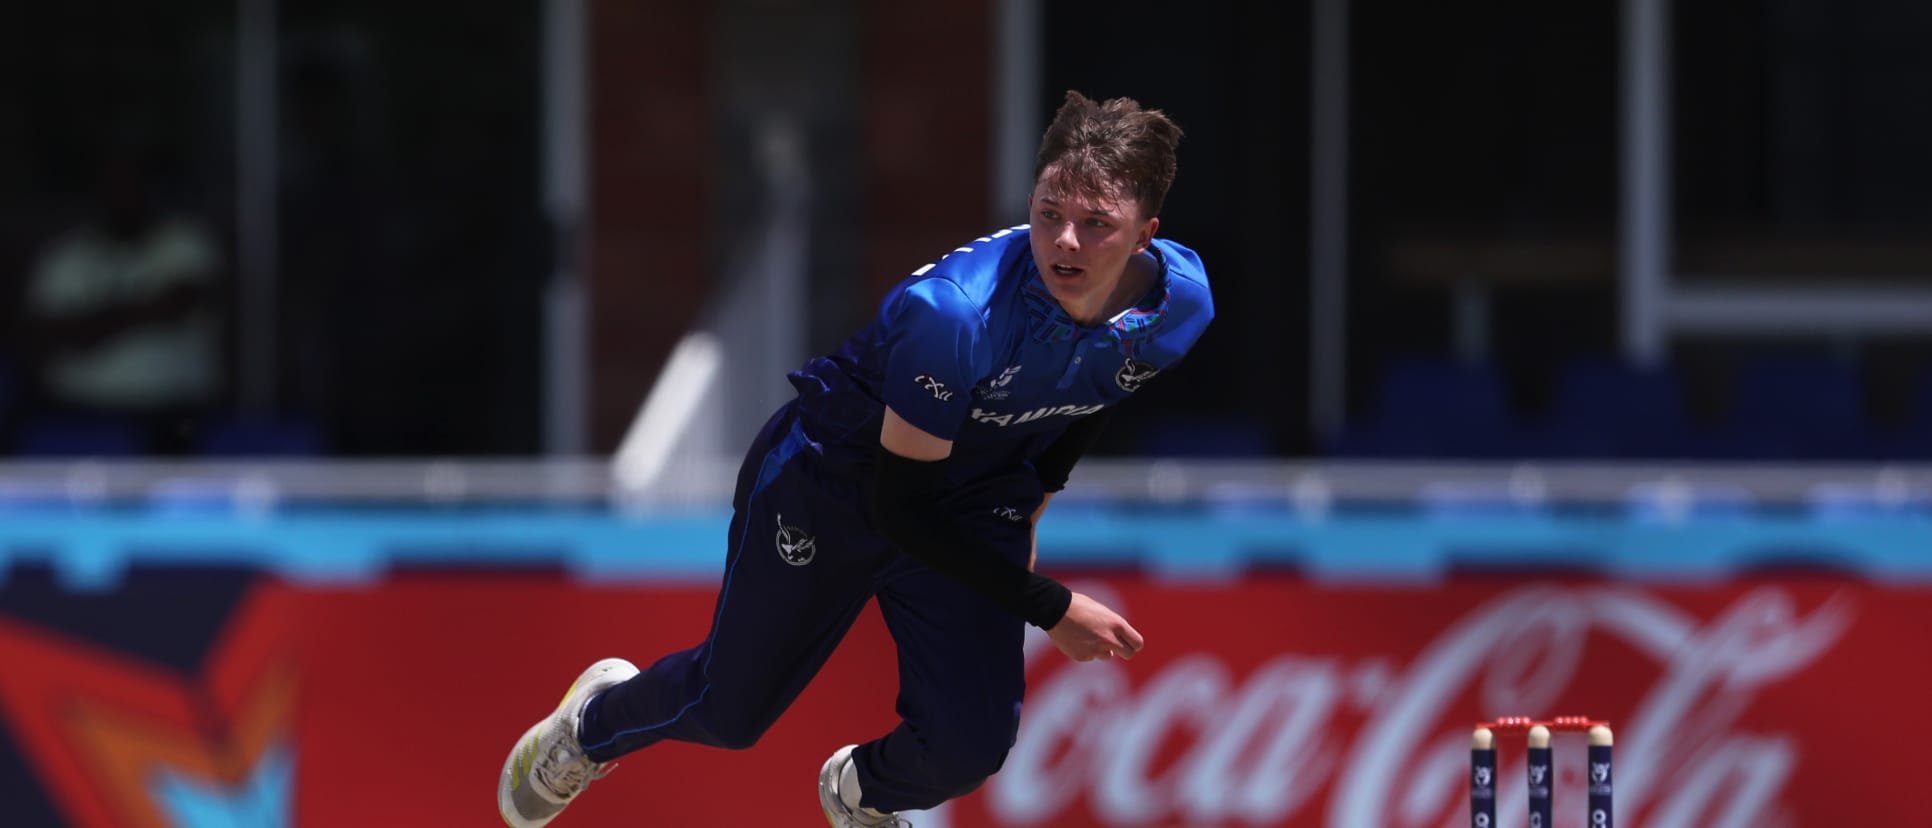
x=256, y=437
x=1803, y=407
x=1206, y=436
x=1605, y=408
x=80, y=437
x=1913, y=439
x=1434, y=407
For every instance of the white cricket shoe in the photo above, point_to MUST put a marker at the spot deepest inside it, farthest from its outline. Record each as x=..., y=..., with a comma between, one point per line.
x=548, y=768
x=838, y=774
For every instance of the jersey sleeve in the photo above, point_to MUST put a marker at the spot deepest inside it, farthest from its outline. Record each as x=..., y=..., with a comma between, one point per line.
x=936, y=350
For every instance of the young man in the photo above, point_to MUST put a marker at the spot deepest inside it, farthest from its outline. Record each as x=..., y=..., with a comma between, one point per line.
x=907, y=469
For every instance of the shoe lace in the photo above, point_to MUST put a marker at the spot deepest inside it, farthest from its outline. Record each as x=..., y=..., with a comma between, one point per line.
x=568, y=772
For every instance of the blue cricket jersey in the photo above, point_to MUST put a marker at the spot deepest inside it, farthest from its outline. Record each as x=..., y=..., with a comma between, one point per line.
x=973, y=348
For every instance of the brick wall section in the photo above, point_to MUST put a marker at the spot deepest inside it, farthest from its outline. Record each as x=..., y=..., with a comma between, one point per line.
x=925, y=138
x=649, y=273
x=925, y=132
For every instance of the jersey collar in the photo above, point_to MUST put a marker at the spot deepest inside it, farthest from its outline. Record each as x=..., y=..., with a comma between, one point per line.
x=1050, y=323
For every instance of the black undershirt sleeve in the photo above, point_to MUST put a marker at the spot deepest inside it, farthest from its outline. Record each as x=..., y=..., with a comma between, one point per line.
x=1056, y=463
x=906, y=506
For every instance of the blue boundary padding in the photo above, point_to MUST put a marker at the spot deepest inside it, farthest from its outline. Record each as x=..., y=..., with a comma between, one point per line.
x=92, y=549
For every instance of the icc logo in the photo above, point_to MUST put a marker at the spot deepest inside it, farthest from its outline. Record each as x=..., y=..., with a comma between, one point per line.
x=1599, y=772
x=1538, y=773
x=1482, y=777
x=796, y=547
x=996, y=387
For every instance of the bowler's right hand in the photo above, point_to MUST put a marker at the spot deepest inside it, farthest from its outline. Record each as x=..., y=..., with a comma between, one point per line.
x=1090, y=630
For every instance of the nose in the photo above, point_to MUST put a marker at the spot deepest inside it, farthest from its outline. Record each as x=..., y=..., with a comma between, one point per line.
x=1067, y=240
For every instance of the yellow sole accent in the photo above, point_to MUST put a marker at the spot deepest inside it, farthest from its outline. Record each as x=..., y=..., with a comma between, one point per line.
x=525, y=759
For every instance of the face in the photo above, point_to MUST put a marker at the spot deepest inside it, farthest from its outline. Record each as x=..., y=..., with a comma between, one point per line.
x=1082, y=244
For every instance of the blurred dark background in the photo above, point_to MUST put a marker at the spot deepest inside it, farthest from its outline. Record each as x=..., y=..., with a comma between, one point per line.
x=386, y=259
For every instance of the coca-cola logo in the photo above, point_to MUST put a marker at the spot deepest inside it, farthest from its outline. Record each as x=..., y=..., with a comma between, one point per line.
x=1195, y=744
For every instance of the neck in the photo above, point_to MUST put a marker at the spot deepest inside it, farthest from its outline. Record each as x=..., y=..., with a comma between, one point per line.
x=1142, y=270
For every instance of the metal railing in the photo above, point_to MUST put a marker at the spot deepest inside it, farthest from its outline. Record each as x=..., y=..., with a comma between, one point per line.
x=708, y=483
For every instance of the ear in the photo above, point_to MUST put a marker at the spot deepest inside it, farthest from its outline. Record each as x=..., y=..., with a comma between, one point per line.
x=1146, y=236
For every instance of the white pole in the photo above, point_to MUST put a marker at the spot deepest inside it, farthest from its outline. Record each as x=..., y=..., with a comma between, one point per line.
x=1328, y=211
x=1645, y=220
x=1016, y=123
x=565, y=119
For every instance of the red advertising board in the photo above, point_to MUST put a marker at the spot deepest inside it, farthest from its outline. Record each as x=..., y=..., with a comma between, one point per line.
x=1265, y=702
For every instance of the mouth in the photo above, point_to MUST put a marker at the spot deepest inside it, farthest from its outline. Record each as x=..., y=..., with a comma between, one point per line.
x=1067, y=271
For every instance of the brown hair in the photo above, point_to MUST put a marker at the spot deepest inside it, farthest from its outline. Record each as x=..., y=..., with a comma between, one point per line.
x=1115, y=149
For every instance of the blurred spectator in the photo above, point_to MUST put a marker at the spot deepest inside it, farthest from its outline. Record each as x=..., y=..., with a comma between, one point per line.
x=123, y=313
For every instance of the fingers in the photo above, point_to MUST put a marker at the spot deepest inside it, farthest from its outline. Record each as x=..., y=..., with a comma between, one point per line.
x=1122, y=642
x=1102, y=650
x=1126, y=642
x=1099, y=639
x=1106, y=649
x=1121, y=648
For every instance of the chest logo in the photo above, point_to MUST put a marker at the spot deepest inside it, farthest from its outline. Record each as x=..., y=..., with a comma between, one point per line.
x=995, y=388
x=1132, y=374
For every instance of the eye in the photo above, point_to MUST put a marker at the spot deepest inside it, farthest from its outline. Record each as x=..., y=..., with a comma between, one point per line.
x=1049, y=214
x=1098, y=223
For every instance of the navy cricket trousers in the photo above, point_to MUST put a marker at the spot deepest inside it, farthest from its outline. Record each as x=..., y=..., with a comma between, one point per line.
x=802, y=563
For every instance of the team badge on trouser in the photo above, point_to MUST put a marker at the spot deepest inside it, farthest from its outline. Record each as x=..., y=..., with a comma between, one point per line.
x=796, y=547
